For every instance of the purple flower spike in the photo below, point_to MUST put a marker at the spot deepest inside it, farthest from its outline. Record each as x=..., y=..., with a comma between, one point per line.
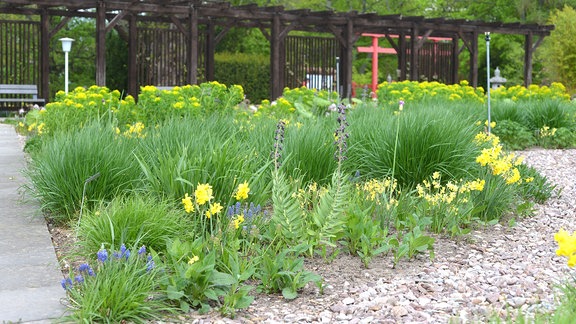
x=79, y=279
x=85, y=267
x=102, y=255
x=142, y=250
x=66, y=283
x=127, y=254
x=122, y=248
x=149, y=264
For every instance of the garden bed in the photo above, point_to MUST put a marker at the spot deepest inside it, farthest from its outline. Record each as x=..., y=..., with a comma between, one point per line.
x=491, y=272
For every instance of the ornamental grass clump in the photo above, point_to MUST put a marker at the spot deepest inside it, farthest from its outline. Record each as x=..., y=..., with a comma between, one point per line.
x=61, y=166
x=413, y=144
x=136, y=219
x=123, y=287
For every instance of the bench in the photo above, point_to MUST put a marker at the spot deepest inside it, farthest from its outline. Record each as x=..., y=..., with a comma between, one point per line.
x=15, y=96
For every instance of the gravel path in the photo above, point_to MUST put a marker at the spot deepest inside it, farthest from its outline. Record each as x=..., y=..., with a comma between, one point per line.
x=494, y=270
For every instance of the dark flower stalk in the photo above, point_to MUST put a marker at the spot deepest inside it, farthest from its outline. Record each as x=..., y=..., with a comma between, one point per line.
x=341, y=136
x=278, y=144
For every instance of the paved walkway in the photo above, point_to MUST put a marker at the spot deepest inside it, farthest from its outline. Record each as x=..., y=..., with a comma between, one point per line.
x=30, y=289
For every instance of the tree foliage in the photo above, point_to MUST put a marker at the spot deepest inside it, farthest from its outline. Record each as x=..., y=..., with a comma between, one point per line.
x=558, y=52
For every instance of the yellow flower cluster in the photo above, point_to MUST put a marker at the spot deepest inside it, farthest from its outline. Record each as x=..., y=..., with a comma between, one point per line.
x=546, y=131
x=374, y=188
x=39, y=128
x=555, y=91
x=203, y=194
x=187, y=202
x=436, y=193
x=501, y=163
x=193, y=260
x=214, y=209
x=134, y=130
x=416, y=91
x=237, y=221
x=378, y=191
x=242, y=191
x=566, y=246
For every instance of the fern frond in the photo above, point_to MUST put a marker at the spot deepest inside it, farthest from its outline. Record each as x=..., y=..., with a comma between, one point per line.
x=328, y=218
x=287, y=216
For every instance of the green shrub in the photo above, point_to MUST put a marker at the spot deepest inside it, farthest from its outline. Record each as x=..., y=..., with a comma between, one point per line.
x=513, y=135
x=251, y=71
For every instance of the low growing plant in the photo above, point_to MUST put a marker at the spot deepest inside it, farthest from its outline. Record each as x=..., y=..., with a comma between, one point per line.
x=123, y=287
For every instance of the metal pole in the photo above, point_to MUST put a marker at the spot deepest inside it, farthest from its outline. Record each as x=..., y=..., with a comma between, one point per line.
x=66, y=72
x=488, y=77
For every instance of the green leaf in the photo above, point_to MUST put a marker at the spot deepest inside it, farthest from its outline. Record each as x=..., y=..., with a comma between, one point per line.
x=173, y=293
x=211, y=294
x=289, y=293
x=222, y=279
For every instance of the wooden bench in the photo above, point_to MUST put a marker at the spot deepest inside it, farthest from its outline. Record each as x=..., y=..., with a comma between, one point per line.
x=15, y=96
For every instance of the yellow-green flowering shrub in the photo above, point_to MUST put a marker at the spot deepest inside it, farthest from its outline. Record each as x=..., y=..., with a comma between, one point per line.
x=77, y=108
x=519, y=93
x=414, y=91
x=303, y=101
x=80, y=106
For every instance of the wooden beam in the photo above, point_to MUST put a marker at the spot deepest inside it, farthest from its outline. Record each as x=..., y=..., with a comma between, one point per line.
x=60, y=25
x=115, y=20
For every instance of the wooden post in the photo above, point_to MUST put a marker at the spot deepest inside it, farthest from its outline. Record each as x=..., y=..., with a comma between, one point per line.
x=474, y=59
x=192, y=77
x=101, y=43
x=402, y=56
x=210, y=50
x=414, y=54
x=45, y=55
x=455, y=58
x=346, y=61
x=133, y=86
x=528, y=60
x=275, y=65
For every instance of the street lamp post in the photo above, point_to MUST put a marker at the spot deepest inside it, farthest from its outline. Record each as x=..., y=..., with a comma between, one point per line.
x=66, y=46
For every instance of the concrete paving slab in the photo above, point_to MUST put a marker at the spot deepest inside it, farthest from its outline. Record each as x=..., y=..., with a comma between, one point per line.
x=30, y=290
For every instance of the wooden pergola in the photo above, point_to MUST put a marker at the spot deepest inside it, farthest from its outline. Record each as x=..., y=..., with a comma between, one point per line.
x=275, y=23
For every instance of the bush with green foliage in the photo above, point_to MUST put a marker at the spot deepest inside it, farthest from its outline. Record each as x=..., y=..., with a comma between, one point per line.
x=251, y=71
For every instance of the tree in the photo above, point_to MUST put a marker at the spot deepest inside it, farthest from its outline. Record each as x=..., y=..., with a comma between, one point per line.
x=558, y=51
